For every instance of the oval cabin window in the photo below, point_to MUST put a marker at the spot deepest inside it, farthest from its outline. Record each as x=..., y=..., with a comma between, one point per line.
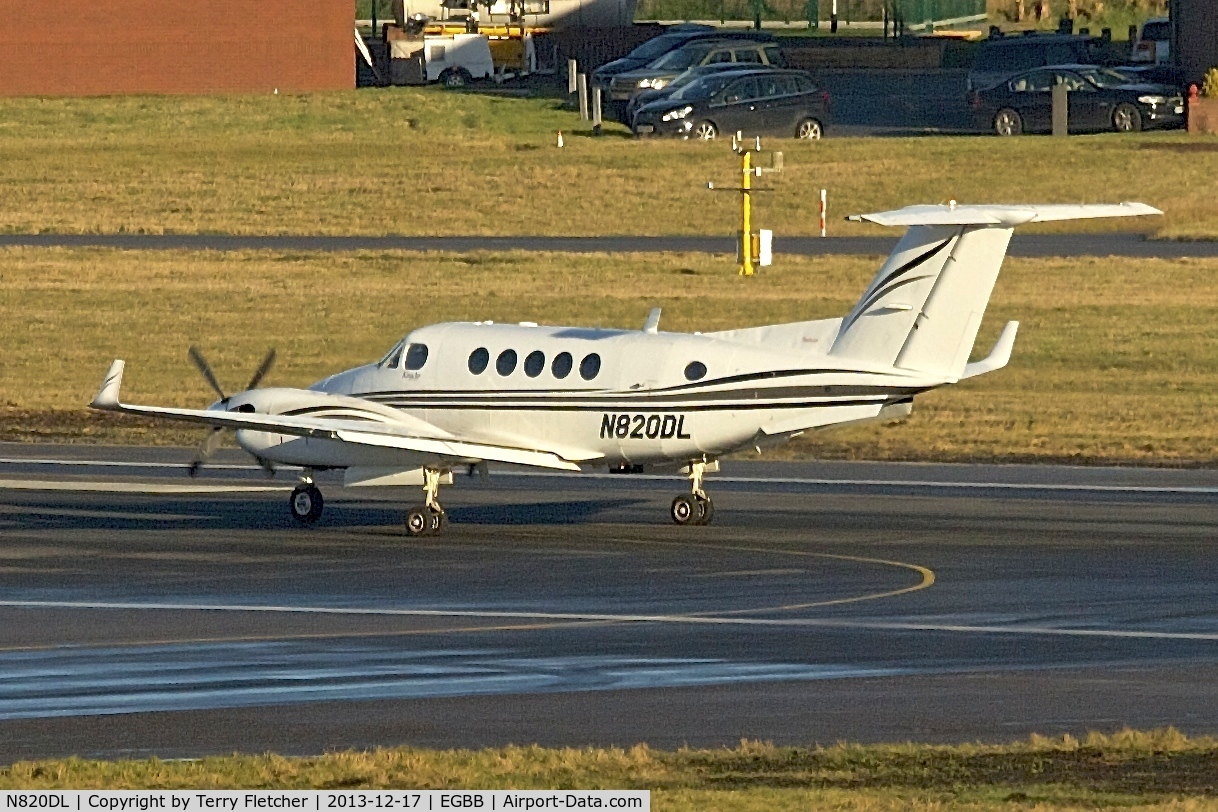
x=505, y=364
x=478, y=359
x=590, y=367
x=534, y=363
x=416, y=356
x=696, y=371
x=562, y=365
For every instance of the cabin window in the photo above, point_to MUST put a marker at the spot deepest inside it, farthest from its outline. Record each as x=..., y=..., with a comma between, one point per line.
x=590, y=367
x=534, y=363
x=416, y=356
x=394, y=356
x=505, y=364
x=695, y=371
x=562, y=365
x=478, y=359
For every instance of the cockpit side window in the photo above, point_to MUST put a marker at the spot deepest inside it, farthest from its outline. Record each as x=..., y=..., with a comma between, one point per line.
x=416, y=356
x=394, y=356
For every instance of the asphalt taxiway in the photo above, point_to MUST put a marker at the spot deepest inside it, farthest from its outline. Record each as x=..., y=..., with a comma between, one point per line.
x=142, y=612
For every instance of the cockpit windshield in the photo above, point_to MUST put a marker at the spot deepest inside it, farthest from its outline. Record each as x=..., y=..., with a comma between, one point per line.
x=394, y=356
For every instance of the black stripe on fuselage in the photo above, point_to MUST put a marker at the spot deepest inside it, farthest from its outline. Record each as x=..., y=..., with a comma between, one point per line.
x=748, y=405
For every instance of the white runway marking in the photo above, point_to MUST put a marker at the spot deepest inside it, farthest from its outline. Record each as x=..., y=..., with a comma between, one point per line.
x=1010, y=629
x=1201, y=490
x=131, y=487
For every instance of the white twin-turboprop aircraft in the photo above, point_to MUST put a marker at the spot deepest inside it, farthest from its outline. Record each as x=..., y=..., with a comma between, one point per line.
x=463, y=394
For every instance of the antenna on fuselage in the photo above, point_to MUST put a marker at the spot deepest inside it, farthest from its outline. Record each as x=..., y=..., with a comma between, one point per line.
x=652, y=325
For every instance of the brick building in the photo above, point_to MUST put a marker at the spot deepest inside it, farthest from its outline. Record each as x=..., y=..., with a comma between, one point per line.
x=95, y=47
x=1196, y=30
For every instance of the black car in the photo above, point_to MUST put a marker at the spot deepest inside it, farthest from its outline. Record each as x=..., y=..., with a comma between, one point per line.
x=1100, y=99
x=690, y=75
x=694, y=54
x=670, y=40
x=753, y=102
x=999, y=57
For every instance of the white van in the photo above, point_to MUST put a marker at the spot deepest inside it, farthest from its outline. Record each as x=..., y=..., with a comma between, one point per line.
x=1153, y=45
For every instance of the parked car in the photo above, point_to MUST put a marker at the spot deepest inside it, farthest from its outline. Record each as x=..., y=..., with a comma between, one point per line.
x=759, y=101
x=684, y=78
x=695, y=54
x=1100, y=99
x=1153, y=44
x=1001, y=57
x=670, y=40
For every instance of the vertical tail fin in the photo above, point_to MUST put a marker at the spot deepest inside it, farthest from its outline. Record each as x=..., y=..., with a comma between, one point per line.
x=924, y=307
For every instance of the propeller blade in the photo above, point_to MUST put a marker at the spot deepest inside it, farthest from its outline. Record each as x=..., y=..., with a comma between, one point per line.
x=205, y=368
x=266, y=466
x=263, y=368
x=210, y=443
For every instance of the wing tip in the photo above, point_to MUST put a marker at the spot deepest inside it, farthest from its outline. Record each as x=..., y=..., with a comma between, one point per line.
x=107, y=396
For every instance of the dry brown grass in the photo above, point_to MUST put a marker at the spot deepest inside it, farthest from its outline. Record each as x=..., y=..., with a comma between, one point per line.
x=1117, y=360
x=424, y=161
x=1154, y=770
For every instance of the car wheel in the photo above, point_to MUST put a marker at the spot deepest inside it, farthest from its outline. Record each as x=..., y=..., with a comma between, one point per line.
x=809, y=130
x=455, y=77
x=1008, y=122
x=705, y=131
x=1126, y=119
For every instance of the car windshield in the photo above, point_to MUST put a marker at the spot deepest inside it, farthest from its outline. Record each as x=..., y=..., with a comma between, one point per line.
x=1103, y=77
x=679, y=59
x=703, y=87
x=657, y=47
x=1157, y=31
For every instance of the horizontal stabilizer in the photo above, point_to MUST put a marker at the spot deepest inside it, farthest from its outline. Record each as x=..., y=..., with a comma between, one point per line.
x=1000, y=215
x=999, y=357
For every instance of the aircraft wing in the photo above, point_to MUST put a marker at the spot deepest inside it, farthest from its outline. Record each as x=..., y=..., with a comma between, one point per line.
x=348, y=431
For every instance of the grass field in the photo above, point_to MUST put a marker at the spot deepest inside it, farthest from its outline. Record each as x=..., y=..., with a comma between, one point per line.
x=1117, y=361
x=1156, y=770
x=426, y=161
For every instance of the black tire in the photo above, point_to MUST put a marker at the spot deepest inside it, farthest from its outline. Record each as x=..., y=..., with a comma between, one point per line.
x=809, y=130
x=418, y=522
x=704, y=131
x=706, y=511
x=439, y=520
x=455, y=78
x=684, y=510
x=1127, y=118
x=1008, y=122
x=306, y=504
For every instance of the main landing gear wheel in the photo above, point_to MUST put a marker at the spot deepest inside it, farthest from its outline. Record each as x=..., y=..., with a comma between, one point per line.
x=697, y=507
x=429, y=518
x=306, y=503
x=692, y=510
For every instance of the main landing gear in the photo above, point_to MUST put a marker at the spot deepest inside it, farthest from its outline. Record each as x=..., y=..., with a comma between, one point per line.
x=697, y=508
x=430, y=518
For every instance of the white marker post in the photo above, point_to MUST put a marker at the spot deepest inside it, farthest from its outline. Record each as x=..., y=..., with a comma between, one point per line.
x=824, y=209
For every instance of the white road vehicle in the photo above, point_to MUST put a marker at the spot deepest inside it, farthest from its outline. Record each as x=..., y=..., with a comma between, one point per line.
x=458, y=395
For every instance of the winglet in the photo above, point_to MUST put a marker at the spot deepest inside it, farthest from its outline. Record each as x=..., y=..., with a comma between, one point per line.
x=107, y=396
x=998, y=357
x=652, y=325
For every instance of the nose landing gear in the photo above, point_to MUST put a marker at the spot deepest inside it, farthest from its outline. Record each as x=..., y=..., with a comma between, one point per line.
x=697, y=508
x=430, y=518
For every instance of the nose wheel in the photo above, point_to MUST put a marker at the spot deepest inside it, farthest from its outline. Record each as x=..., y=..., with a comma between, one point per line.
x=306, y=503
x=430, y=518
x=696, y=508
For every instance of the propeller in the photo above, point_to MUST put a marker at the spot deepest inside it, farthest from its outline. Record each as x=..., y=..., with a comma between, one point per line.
x=212, y=441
